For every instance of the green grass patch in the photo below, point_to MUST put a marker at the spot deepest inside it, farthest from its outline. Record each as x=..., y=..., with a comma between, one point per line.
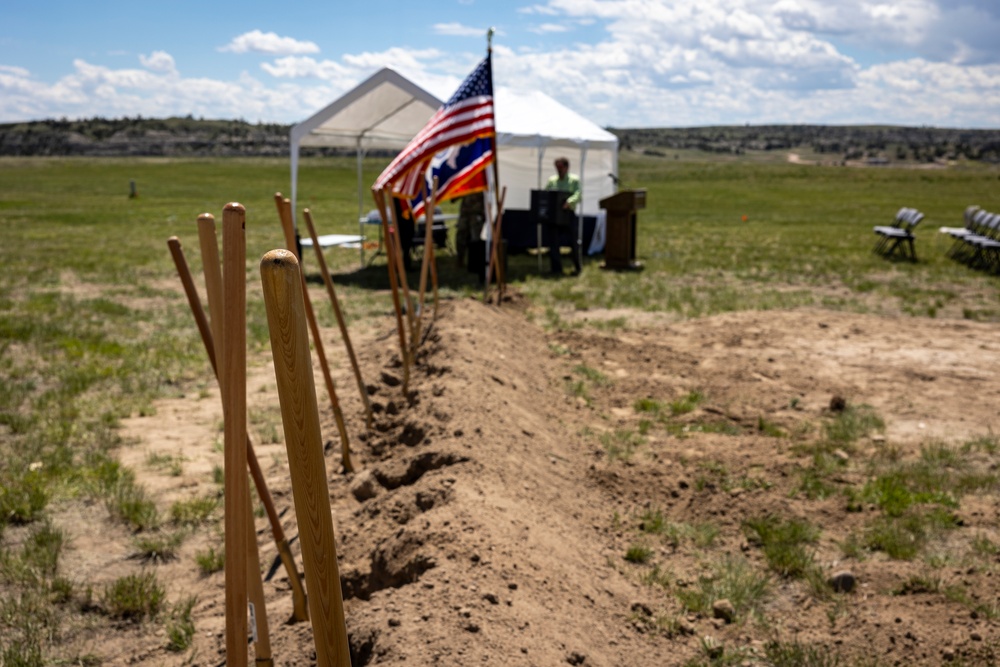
x=733, y=579
x=193, y=512
x=158, y=546
x=638, y=553
x=851, y=424
x=686, y=403
x=648, y=405
x=134, y=597
x=815, y=480
x=786, y=543
x=620, y=444
x=210, y=561
x=180, y=626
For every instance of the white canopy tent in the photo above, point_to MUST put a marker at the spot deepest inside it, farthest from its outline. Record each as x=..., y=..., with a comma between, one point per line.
x=387, y=110
x=383, y=112
x=533, y=130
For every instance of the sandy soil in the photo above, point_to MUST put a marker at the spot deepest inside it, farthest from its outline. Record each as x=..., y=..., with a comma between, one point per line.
x=489, y=524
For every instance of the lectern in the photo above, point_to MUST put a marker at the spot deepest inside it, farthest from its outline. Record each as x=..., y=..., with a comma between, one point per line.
x=619, y=248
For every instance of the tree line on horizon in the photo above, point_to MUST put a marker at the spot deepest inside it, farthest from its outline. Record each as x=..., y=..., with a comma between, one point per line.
x=188, y=136
x=846, y=142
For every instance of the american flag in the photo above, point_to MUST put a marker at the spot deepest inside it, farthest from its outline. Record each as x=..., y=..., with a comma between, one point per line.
x=463, y=119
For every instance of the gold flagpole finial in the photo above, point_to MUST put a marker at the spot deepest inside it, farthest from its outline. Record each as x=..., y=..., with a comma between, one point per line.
x=489, y=38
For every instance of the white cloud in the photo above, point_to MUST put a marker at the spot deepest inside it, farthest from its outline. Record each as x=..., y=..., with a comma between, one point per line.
x=547, y=28
x=268, y=42
x=458, y=30
x=159, y=61
x=538, y=9
x=16, y=72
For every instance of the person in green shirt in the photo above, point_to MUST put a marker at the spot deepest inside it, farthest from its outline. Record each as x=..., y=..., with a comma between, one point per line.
x=565, y=227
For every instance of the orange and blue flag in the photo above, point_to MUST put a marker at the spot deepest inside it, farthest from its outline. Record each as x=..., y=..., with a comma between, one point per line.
x=456, y=145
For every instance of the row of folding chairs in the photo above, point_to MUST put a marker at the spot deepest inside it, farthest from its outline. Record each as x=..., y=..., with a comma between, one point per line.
x=978, y=242
x=898, y=237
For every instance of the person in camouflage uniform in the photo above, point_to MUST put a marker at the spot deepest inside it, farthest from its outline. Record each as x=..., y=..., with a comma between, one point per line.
x=471, y=217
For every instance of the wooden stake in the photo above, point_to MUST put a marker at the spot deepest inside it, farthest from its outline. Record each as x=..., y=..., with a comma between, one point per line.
x=428, y=244
x=404, y=284
x=285, y=213
x=501, y=271
x=379, y=198
x=299, y=610
x=235, y=383
x=285, y=304
x=328, y=281
x=495, y=242
x=209, y=243
x=434, y=282
x=260, y=633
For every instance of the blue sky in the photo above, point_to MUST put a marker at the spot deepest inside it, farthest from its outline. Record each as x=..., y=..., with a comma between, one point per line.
x=622, y=63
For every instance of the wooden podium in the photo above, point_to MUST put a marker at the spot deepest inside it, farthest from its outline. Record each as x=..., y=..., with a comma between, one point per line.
x=619, y=248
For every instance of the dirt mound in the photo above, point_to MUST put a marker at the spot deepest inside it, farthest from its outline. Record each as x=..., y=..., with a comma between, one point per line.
x=496, y=503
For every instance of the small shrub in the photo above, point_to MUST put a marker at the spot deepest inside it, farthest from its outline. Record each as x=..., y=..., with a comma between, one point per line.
x=652, y=521
x=621, y=444
x=657, y=577
x=127, y=502
x=638, y=553
x=784, y=543
x=134, y=597
x=813, y=481
x=180, y=627
x=901, y=539
x=43, y=548
x=769, y=428
x=17, y=652
x=853, y=546
x=22, y=497
x=734, y=579
x=171, y=464
x=853, y=423
x=193, y=512
x=686, y=404
x=988, y=444
x=592, y=374
x=61, y=590
x=649, y=405
x=983, y=547
x=158, y=546
x=210, y=561
x=797, y=654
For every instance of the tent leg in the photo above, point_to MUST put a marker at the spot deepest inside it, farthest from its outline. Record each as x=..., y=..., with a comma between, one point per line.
x=538, y=246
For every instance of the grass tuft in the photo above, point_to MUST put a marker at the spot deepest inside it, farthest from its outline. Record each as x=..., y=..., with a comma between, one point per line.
x=211, y=561
x=180, y=627
x=734, y=579
x=194, y=512
x=784, y=543
x=638, y=553
x=134, y=597
x=852, y=424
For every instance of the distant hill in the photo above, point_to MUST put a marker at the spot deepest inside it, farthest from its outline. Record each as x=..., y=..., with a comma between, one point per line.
x=847, y=142
x=143, y=137
x=198, y=137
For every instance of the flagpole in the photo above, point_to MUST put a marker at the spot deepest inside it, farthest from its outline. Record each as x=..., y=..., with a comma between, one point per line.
x=496, y=183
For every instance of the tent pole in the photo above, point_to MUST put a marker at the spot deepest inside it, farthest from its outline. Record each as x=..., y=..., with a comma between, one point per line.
x=538, y=225
x=295, y=170
x=361, y=209
x=579, y=216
